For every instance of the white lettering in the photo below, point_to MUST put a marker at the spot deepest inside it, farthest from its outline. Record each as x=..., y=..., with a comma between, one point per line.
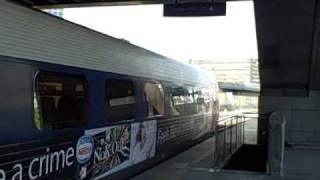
x=47, y=161
x=70, y=154
x=31, y=176
x=19, y=173
x=56, y=156
x=2, y=175
x=97, y=156
x=101, y=154
x=42, y=158
x=41, y=165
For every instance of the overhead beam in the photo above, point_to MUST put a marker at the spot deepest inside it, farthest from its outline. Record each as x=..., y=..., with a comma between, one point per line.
x=49, y=4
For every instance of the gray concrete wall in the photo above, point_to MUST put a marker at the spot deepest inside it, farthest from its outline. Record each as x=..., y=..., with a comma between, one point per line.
x=288, y=42
x=302, y=115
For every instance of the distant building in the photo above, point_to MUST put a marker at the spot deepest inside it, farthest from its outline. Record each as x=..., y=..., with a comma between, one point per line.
x=245, y=71
x=55, y=12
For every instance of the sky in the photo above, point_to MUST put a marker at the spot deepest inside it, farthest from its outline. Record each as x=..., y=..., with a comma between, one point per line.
x=230, y=37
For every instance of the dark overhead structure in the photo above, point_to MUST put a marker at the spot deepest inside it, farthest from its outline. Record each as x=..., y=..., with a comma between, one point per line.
x=239, y=88
x=85, y=3
x=79, y=3
x=173, y=8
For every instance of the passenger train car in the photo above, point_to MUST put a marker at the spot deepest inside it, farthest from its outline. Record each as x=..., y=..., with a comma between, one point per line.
x=78, y=104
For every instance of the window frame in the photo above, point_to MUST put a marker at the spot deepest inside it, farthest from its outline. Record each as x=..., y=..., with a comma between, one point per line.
x=35, y=97
x=205, y=91
x=146, y=110
x=106, y=108
x=185, y=88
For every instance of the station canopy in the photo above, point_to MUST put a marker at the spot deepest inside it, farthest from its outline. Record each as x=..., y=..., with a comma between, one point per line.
x=84, y=3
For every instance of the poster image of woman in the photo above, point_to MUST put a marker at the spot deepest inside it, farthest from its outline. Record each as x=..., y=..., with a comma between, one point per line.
x=143, y=141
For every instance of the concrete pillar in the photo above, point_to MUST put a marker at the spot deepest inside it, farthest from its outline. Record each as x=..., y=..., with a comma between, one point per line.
x=288, y=42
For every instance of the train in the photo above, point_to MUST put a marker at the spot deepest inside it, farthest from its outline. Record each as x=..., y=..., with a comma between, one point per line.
x=79, y=104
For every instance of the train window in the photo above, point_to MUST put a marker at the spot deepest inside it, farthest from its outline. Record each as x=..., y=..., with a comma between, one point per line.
x=155, y=99
x=182, y=100
x=207, y=94
x=190, y=107
x=198, y=95
x=189, y=95
x=60, y=101
x=202, y=97
x=120, y=100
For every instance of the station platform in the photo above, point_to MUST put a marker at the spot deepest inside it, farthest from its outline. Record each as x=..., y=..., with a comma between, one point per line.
x=196, y=164
x=197, y=159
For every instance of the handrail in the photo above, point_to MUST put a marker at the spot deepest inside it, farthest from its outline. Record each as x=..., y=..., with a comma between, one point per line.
x=242, y=114
x=230, y=136
x=228, y=117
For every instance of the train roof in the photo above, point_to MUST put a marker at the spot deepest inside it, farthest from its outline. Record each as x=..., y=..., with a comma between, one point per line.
x=31, y=34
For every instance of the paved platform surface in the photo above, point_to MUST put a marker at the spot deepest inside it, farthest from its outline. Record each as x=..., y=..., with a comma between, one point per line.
x=196, y=164
x=198, y=158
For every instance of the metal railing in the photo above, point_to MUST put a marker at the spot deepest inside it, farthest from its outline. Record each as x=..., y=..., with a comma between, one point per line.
x=230, y=135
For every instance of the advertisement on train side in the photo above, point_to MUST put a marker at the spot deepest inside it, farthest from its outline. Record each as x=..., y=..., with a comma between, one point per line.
x=179, y=130
x=96, y=154
x=58, y=159
x=118, y=147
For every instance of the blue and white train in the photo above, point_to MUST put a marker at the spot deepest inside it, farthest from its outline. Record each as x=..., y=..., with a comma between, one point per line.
x=78, y=104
